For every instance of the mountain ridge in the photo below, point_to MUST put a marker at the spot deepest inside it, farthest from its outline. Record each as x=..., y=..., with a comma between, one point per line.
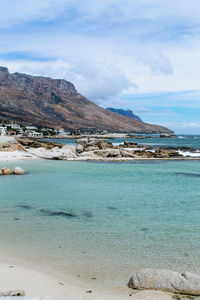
x=56, y=103
x=125, y=112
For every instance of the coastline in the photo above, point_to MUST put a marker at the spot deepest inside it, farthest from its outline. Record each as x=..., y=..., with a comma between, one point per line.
x=22, y=155
x=71, y=288
x=35, y=283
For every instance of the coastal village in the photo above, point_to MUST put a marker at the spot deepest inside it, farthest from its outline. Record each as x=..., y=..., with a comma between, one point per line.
x=14, y=129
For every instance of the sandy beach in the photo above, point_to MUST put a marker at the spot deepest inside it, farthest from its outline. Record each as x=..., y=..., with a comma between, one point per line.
x=34, y=283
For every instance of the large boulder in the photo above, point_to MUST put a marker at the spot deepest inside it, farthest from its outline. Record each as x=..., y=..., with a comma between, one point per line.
x=79, y=149
x=166, y=280
x=166, y=153
x=126, y=153
x=108, y=153
x=128, y=144
x=19, y=171
x=6, y=171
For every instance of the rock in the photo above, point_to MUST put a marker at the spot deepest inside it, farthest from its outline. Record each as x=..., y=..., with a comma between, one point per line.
x=131, y=145
x=108, y=153
x=13, y=293
x=16, y=147
x=6, y=171
x=35, y=143
x=126, y=153
x=166, y=280
x=18, y=171
x=164, y=153
x=167, y=135
x=92, y=144
x=143, y=154
x=83, y=141
x=79, y=148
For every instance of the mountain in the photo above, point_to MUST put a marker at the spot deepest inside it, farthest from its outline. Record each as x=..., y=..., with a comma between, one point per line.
x=125, y=112
x=55, y=103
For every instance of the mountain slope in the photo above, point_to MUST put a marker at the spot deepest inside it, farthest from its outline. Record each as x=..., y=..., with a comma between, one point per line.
x=55, y=103
x=125, y=112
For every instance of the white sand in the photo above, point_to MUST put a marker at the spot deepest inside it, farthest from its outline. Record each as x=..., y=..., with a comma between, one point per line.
x=15, y=155
x=37, y=284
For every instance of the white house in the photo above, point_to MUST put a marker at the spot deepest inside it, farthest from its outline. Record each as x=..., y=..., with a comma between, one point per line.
x=31, y=127
x=15, y=126
x=35, y=134
x=61, y=132
x=2, y=130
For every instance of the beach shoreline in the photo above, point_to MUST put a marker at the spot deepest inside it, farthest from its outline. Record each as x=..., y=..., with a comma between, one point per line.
x=34, y=283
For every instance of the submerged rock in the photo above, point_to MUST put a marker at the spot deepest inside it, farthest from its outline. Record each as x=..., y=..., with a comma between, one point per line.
x=166, y=280
x=18, y=171
x=57, y=213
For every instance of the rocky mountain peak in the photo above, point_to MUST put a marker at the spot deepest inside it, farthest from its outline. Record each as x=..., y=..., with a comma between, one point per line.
x=47, y=102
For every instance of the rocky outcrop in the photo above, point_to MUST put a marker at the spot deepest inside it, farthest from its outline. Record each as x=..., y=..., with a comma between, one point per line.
x=166, y=280
x=35, y=143
x=10, y=144
x=166, y=153
x=92, y=144
x=55, y=103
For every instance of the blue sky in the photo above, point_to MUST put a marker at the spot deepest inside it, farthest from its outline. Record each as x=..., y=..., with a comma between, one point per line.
x=137, y=54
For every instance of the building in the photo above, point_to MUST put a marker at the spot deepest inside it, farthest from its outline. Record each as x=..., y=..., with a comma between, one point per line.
x=2, y=130
x=31, y=127
x=15, y=126
x=10, y=132
x=61, y=132
x=35, y=134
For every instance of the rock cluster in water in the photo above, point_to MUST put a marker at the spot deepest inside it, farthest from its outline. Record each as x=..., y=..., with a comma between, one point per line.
x=103, y=149
x=166, y=280
x=15, y=171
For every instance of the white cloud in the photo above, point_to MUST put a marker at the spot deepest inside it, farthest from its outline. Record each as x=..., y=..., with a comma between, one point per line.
x=108, y=48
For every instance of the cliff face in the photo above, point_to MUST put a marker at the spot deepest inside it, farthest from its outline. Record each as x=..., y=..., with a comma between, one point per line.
x=125, y=112
x=56, y=103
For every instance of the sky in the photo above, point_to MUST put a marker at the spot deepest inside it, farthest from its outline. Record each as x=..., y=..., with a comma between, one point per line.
x=142, y=55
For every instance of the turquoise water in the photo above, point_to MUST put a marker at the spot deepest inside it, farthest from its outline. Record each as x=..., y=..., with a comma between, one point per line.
x=122, y=217
x=191, y=141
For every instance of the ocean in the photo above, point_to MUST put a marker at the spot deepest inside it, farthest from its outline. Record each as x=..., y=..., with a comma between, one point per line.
x=100, y=222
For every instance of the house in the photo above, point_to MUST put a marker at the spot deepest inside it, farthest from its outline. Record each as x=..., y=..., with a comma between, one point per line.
x=10, y=132
x=35, y=134
x=2, y=130
x=15, y=126
x=31, y=127
x=61, y=132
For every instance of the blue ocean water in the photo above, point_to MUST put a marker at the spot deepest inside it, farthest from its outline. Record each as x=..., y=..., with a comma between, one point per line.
x=191, y=141
x=120, y=217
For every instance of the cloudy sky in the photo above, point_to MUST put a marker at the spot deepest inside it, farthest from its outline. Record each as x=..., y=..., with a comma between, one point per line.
x=137, y=54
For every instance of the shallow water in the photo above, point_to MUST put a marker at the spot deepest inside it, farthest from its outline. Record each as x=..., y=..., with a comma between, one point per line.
x=119, y=217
